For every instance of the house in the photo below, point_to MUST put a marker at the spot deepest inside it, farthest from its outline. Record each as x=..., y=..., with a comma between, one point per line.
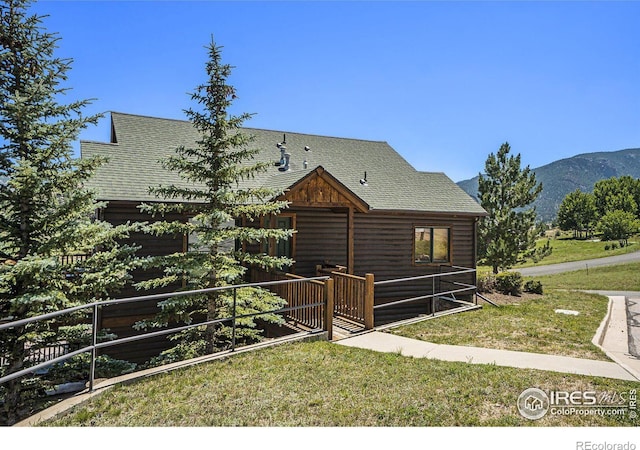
x=354, y=203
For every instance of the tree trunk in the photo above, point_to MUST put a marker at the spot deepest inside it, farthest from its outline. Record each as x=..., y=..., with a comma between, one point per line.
x=212, y=309
x=12, y=401
x=210, y=331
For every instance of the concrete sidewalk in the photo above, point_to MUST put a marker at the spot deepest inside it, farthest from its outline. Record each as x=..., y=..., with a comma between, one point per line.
x=611, y=337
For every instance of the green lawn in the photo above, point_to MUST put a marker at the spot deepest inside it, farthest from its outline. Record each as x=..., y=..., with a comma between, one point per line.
x=323, y=384
x=529, y=325
x=565, y=250
x=623, y=277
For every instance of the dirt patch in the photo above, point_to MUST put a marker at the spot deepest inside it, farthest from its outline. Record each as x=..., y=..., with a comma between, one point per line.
x=503, y=299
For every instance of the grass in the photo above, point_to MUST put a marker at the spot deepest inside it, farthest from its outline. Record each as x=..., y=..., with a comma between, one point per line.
x=323, y=384
x=569, y=249
x=622, y=277
x=566, y=250
x=529, y=325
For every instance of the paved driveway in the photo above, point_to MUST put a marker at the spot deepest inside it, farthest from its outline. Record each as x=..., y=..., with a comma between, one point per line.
x=579, y=265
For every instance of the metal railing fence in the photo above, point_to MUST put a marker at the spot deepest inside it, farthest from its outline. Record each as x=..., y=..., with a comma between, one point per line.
x=95, y=307
x=433, y=277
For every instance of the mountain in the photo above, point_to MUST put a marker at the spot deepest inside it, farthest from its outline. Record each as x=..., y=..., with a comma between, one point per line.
x=578, y=172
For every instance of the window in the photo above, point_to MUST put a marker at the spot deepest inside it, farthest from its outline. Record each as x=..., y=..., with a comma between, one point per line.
x=284, y=247
x=431, y=245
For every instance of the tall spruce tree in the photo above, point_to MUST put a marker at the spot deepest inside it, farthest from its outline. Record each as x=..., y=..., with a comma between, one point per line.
x=45, y=212
x=213, y=200
x=505, y=190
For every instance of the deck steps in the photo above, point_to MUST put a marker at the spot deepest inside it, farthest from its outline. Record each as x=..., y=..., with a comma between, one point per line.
x=343, y=328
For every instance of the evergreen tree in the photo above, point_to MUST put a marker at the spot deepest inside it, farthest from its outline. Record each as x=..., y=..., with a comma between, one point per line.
x=45, y=212
x=508, y=233
x=214, y=169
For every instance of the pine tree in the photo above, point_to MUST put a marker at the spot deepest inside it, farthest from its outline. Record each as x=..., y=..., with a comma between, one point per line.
x=214, y=169
x=507, y=234
x=45, y=213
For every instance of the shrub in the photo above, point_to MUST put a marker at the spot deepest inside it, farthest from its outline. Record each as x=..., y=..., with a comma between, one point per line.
x=533, y=287
x=486, y=283
x=509, y=283
x=607, y=247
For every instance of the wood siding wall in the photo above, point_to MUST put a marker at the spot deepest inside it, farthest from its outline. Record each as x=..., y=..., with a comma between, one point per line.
x=384, y=247
x=322, y=236
x=119, y=319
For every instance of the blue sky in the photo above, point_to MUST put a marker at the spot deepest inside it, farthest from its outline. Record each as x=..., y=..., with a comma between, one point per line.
x=444, y=83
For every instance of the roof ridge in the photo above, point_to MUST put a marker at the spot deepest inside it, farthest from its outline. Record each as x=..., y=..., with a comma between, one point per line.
x=255, y=128
x=91, y=141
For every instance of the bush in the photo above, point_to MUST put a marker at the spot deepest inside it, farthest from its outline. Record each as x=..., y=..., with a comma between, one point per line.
x=486, y=283
x=533, y=287
x=509, y=283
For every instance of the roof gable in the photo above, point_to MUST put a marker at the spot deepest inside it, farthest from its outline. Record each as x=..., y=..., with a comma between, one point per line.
x=320, y=188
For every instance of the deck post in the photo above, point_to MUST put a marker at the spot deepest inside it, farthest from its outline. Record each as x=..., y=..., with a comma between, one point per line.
x=368, y=301
x=328, y=308
x=350, y=241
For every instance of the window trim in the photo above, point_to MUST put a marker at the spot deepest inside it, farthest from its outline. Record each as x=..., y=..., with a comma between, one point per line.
x=432, y=227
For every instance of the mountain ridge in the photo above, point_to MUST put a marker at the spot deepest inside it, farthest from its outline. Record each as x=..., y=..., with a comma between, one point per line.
x=565, y=175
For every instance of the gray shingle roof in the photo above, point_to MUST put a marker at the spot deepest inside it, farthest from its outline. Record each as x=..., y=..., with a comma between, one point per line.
x=139, y=143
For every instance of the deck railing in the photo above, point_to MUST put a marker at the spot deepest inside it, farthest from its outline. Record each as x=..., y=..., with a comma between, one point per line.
x=297, y=295
x=353, y=297
x=36, y=355
x=70, y=259
x=324, y=303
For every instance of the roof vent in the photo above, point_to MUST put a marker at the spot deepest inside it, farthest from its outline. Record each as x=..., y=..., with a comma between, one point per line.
x=305, y=164
x=283, y=149
x=364, y=180
x=285, y=167
x=307, y=148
